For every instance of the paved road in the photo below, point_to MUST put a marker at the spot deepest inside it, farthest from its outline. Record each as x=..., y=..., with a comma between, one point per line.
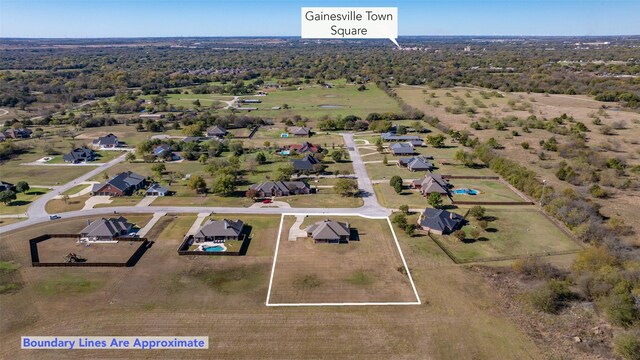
x=37, y=210
x=364, y=183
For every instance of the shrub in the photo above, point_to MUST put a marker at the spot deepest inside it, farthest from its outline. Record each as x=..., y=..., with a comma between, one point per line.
x=550, y=297
x=525, y=145
x=460, y=235
x=627, y=345
x=597, y=191
x=619, y=306
x=477, y=212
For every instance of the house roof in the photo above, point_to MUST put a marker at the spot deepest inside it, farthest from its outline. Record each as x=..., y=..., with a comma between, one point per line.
x=224, y=227
x=432, y=183
x=417, y=163
x=106, y=140
x=6, y=185
x=125, y=180
x=106, y=227
x=161, y=150
x=155, y=187
x=299, y=130
x=192, y=139
x=328, y=230
x=440, y=220
x=78, y=154
x=304, y=147
x=402, y=148
x=284, y=186
x=391, y=136
x=305, y=163
x=216, y=131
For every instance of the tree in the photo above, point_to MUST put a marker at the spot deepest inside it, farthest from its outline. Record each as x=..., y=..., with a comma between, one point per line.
x=192, y=130
x=417, y=126
x=362, y=88
x=261, y=158
x=251, y=194
x=203, y=159
x=7, y=196
x=475, y=233
x=385, y=160
x=224, y=185
x=22, y=186
x=395, y=180
x=198, y=184
x=336, y=155
x=436, y=140
x=65, y=198
x=435, y=200
x=284, y=172
x=379, y=145
x=460, y=235
x=236, y=148
x=410, y=229
x=400, y=220
x=464, y=157
x=346, y=187
x=398, y=187
x=130, y=156
x=477, y=212
x=404, y=209
x=158, y=169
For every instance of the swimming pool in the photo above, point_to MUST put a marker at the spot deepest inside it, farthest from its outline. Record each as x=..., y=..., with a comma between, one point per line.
x=215, y=248
x=465, y=191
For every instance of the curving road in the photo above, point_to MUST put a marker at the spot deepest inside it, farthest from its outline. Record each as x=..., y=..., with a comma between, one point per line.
x=37, y=213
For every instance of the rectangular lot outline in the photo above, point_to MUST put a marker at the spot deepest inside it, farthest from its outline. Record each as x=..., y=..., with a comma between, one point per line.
x=395, y=238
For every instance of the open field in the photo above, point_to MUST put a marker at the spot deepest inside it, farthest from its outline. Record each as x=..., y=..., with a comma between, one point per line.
x=490, y=190
x=452, y=322
x=510, y=232
x=54, y=250
x=59, y=205
x=22, y=202
x=622, y=143
x=388, y=197
x=366, y=270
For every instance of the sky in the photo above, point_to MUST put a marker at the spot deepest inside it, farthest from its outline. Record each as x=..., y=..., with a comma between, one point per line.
x=163, y=18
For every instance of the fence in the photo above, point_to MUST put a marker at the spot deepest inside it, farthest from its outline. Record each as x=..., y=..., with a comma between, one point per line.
x=133, y=259
x=470, y=177
x=455, y=202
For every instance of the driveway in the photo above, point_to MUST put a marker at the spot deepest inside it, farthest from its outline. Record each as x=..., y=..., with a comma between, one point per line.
x=95, y=200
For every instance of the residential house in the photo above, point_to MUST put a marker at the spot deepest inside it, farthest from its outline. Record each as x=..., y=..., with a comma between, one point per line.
x=403, y=148
x=157, y=190
x=189, y=139
x=20, y=133
x=122, y=184
x=281, y=188
x=392, y=137
x=79, y=155
x=106, y=229
x=163, y=151
x=416, y=163
x=219, y=231
x=7, y=186
x=431, y=183
x=305, y=147
x=300, y=131
x=305, y=164
x=439, y=221
x=106, y=142
x=216, y=132
x=329, y=231
x=151, y=116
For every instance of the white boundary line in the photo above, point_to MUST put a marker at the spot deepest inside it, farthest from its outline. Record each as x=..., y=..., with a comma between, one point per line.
x=404, y=262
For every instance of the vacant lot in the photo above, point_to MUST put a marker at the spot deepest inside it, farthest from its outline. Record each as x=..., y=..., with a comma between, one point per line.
x=211, y=295
x=510, y=232
x=367, y=270
x=55, y=249
x=388, y=197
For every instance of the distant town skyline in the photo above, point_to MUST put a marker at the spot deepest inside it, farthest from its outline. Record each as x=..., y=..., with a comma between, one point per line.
x=166, y=18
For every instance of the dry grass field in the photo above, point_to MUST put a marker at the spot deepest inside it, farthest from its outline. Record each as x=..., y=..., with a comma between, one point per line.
x=367, y=270
x=55, y=249
x=622, y=143
x=167, y=294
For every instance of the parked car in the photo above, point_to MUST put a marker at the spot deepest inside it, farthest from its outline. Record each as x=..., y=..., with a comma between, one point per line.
x=268, y=201
x=54, y=217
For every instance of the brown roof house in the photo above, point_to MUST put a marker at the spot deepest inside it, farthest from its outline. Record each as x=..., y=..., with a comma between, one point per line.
x=281, y=188
x=440, y=221
x=120, y=185
x=431, y=183
x=106, y=229
x=217, y=132
x=219, y=231
x=329, y=231
x=300, y=131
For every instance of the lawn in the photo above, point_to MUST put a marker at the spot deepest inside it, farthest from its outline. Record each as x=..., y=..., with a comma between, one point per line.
x=102, y=156
x=366, y=270
x=511, y=232
x=22, y=201
x=59, y=205
x=490, y=190
x=76, y=189
x=388, y=197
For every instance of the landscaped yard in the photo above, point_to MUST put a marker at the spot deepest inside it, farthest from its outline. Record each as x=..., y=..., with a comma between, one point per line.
x=489, y=190
x=511, y=232
x=22, y=202
x=388, y=197
x=366, y=270
x=59, y=205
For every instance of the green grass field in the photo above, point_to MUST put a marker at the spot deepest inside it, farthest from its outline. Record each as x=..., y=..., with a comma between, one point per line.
x=22, y=201
x=512, y=232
